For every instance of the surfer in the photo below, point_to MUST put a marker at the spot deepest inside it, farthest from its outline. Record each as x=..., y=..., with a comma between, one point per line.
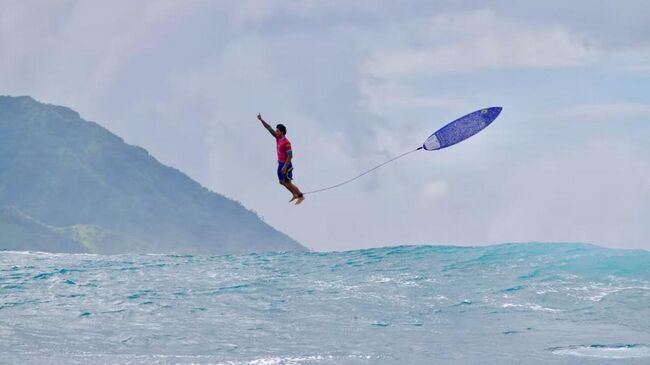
x=285, y=155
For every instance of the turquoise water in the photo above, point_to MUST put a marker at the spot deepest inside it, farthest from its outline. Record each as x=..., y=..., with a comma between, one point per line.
x=517, y=303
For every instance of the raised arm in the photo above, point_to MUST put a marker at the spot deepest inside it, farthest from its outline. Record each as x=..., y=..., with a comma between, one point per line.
x=266, y=125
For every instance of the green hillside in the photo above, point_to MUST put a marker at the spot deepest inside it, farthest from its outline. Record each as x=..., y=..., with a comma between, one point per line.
x=87, y=186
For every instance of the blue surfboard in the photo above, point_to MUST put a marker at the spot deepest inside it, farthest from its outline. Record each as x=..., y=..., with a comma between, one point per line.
x=461, y=129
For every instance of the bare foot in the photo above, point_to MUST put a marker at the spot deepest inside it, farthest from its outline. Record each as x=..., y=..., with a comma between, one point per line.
x=294, y=198
x=300, y=200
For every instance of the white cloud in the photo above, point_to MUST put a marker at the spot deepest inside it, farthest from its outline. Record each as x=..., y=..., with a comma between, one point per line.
x=639, y=68
x=385, y=97
x=601, y=112
x=479, y=41
x=595, y=192
x=435, y=189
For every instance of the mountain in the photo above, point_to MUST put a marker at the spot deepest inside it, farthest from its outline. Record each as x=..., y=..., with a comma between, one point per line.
x=21, y=232
x=69, y=185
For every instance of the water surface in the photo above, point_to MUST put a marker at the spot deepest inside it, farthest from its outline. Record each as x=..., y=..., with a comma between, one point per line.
x=517, y=303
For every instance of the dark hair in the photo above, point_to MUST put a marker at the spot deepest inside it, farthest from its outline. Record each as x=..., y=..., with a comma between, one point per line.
x=282, y=128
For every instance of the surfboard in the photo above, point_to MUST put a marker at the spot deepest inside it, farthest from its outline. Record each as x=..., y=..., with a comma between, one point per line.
x=461, y=129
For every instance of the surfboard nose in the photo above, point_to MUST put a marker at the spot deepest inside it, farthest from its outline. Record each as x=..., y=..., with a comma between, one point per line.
x=491, y=113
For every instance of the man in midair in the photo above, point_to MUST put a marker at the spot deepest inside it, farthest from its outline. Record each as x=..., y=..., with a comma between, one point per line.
x=285, y=169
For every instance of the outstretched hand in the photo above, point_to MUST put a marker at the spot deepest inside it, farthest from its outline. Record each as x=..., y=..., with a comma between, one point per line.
x=266, y=125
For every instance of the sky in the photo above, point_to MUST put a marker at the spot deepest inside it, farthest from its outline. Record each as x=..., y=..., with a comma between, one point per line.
x=357, y=83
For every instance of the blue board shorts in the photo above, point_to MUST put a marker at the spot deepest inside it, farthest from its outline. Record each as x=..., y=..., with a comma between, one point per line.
x=289, y=175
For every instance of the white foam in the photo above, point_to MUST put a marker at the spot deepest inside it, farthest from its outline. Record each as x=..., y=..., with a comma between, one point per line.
x=605, y=351
x=531, y=306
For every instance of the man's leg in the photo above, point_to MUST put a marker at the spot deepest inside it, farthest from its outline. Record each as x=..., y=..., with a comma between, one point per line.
x=287, y=184
x=297, y=194
x=294, y=190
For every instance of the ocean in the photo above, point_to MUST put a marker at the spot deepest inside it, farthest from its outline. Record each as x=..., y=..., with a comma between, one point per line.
x=533, y=303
